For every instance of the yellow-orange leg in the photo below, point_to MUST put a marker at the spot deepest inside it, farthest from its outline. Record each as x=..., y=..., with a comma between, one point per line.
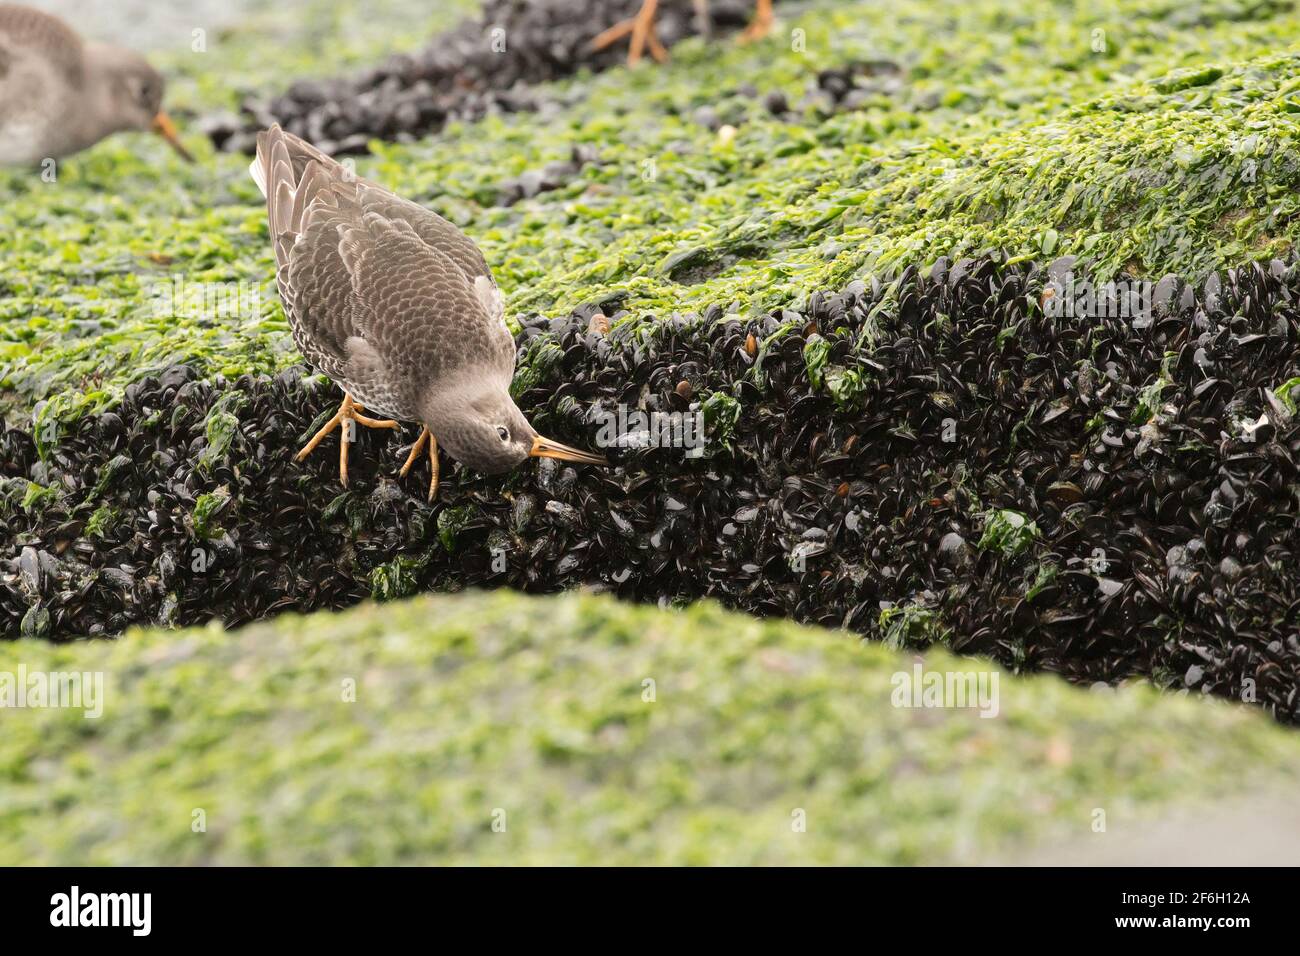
x=642, y=28
x=349, y=411
x=761, y=25
x=425, y=436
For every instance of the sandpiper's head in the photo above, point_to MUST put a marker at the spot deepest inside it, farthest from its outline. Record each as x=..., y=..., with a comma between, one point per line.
x=483, y=428
x=134, y=92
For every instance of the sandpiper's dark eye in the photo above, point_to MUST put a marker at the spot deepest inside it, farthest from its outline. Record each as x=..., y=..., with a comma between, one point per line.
x=501, y=430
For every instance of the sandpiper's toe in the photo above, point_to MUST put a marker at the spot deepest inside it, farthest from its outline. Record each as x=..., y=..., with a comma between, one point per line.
x=642, y=29
x=372, y=422
x=426, y=436
x=349, y=417
x=761, y=25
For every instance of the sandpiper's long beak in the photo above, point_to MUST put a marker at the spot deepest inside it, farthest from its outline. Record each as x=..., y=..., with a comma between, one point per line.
x=164, y=127
x=545, y=448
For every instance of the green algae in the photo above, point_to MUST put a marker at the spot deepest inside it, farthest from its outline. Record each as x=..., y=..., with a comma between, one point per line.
x=451, y=521
x=1148, y=403
x=221, y=427
x=1008, y=532
x=539, y=358
x=1129, y=132
x=398, y=578
x=721, y=413
x=593, y=731
x=1286, y=393
x=36, y=622
x=911, y=625
x=1168, y=149
x=847, y=386
x=1046, y=573
x=816, y=354
x=38, y=497
x=102, y=522
x=206, y=508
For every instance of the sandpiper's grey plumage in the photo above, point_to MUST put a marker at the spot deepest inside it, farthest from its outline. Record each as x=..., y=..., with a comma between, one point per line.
x=60, y=94
x=398, y=307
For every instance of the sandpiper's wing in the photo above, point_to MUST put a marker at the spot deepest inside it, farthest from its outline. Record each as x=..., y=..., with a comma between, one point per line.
x=432, y=228
x=383, y=295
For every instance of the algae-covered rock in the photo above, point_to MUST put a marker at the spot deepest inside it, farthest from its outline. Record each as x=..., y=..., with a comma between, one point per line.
x=505, y=729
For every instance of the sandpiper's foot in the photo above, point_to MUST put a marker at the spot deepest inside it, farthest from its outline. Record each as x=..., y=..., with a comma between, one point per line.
x=761, y=25
x=349, y=417
x=425, y=436
x=642, y=28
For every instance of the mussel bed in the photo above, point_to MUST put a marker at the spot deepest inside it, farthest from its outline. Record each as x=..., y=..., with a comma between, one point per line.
x=484, y=65
x=928, y=458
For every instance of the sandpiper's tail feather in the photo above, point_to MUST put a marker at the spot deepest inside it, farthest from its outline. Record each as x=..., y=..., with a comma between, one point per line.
x=297, y=152
x=255, y=169
x=291, y=174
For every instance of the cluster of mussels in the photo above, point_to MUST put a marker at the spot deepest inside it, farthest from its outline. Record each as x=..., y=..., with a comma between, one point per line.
x=484, y=65
x=554, y=175
x=1101, y=485
x=853, y=86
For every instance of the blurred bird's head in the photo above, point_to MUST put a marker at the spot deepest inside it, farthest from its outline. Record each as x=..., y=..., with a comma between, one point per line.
x=135, y=93
x=480, y=426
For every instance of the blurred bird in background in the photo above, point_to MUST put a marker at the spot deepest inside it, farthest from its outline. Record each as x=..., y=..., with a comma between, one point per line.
x=641, y=27
x=60, y=94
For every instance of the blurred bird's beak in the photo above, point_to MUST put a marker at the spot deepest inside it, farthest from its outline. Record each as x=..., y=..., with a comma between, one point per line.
x=164, y=127
x=545, y=448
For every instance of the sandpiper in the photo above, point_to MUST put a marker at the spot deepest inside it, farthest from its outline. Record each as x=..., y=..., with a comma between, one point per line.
x=60, y=94
x=398, y=307
x=641, y=28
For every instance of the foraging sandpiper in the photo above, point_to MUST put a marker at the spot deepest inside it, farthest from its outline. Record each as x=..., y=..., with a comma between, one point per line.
x=398, y=307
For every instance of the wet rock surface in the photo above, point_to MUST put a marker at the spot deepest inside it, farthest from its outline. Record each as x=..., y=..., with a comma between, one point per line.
x=483, y=66
x=933, y=458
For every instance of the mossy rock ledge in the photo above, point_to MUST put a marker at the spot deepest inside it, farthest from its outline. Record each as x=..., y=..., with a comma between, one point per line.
x=498, y=728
